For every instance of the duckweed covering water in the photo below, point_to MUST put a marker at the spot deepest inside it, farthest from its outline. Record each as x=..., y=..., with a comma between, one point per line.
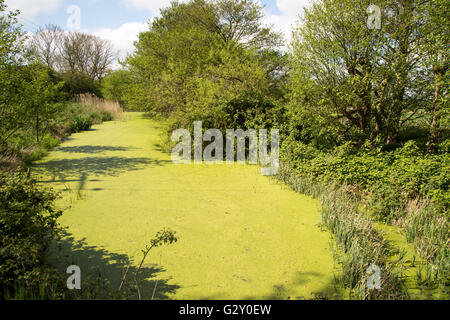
x=241, y=235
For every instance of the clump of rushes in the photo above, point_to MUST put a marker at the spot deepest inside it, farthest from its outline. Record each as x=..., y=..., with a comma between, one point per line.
x=358, y=244
x=361, y=246
x=429, y=232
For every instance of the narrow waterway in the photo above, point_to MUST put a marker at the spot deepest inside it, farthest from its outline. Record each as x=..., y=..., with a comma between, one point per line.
x=241, y=235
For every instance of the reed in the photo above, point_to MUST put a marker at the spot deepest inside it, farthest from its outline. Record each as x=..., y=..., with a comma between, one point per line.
x=101, y=105
x=429, y=232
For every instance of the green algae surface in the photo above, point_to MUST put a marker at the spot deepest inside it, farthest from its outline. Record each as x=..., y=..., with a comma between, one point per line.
x=241, y=235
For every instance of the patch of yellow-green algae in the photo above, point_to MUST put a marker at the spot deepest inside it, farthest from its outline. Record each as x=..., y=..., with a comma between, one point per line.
x=241, y=235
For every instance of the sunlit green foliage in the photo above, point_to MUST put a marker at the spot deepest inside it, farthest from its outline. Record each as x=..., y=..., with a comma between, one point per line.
x=209, y=60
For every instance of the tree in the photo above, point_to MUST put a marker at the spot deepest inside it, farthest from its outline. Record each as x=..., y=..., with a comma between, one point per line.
x=175, y=47
x=11, y=59
x=354, y=82
x=29, y=90
x=42, y=95
x=73, y=52
x=85, y=53
x=81, y=60
x=207, y=60
x=239, y=21
x=117, y=86
x=333, y=54
x=435, y=53
x=46, y=44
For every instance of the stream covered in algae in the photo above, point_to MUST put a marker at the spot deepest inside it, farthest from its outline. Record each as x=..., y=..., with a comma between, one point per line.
x=241, y=235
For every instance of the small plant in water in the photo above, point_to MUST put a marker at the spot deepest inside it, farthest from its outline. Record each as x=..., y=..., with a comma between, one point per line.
x=163, y=237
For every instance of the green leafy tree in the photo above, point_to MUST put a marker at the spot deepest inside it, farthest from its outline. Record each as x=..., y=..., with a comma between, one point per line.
x=435, y=53
x=31, y=93
x=118, y=86
x=42, y=95
x=11, y=59
x=355, y=82
x=209, y=60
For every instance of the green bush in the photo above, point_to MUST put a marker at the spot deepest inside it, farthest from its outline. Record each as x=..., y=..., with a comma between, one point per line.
x=78, y=83
x=40, y=150
x=98, y=117
x=49, y=142
x=35, y=154
x=28, y=222
x=389, y=179
x=94, y=117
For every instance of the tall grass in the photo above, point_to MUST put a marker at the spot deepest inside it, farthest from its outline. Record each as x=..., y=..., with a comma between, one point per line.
x=429, y=232
x=101, y=105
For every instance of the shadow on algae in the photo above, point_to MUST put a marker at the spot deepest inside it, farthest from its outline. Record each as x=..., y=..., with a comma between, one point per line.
x=96, y=261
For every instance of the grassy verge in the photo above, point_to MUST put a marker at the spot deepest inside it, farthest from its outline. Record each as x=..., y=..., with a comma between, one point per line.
x=80, y=115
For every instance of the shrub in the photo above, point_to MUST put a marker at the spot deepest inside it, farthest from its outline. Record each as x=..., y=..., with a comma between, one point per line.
x=79, y=83
x=33, y=154
x=81, y=123
x=389, y=179
x=49, y=142
x=27, y=225
x=106, y=115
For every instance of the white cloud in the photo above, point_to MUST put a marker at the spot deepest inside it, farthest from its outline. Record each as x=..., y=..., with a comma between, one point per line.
x=290, y=12
x=30, y=8
x=151, y=5
x=123, y=37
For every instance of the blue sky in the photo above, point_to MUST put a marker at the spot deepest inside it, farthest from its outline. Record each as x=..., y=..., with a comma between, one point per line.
x=120, y=21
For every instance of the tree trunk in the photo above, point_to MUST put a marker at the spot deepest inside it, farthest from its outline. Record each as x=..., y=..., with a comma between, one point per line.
x=379, y=111
x=433, y=138
x=37, y=127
